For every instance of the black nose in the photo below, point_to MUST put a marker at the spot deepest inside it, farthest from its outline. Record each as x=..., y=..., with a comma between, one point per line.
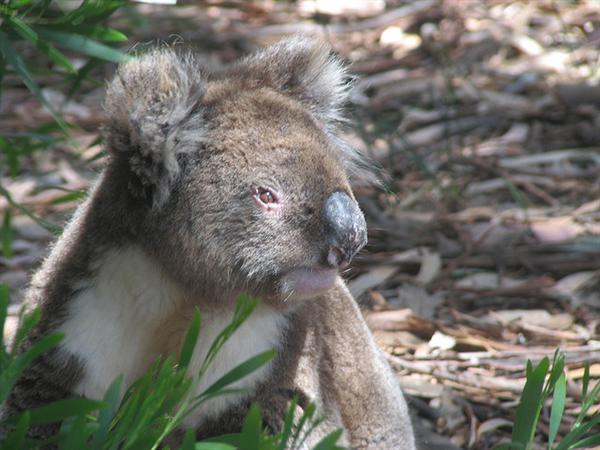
x=346, y=229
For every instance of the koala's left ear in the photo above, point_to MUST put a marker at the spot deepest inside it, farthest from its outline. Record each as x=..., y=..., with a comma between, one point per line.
x=305, y=68
x=154, y=113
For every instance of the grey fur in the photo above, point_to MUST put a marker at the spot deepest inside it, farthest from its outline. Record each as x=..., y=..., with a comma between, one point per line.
x=187, y=149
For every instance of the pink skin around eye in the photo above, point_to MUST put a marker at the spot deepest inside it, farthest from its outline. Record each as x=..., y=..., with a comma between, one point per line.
x=274, y=206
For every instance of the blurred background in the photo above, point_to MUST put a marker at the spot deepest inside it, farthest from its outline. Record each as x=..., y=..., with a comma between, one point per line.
x=481, y=119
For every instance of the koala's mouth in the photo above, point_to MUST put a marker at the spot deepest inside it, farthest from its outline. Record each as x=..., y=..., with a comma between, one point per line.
x=304, y=282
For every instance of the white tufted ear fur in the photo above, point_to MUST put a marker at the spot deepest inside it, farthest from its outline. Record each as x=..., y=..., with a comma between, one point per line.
x=303, y=67
x=154, y=113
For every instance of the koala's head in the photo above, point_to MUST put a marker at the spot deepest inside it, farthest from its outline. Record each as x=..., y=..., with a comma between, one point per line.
x=240, y=176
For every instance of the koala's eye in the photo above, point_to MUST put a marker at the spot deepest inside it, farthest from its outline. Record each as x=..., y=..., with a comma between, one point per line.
x=265, y=197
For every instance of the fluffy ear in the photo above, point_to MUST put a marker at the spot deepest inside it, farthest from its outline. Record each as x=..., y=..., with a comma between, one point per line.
x=154, y=112
x=304, y=68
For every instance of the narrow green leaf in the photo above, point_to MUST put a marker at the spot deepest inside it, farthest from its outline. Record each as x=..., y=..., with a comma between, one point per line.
x=7, y=235
x=307, y=415
x=19, y=3
x=69, y=197
x=288, y=423
x=4, y=302
x=577, y=433
x=588, y=442
x=215, y=445
x=17, y=63
x=83, y=44
x=329, y=442
x=244, y=307
x=517, y=194
x=50, y=226
x=27, y=33
x=557, y=369
x=10, y=375
x=190, y=340
x=90, y=12
x=74, y=436
x=2, y=71
x=38, y=349
x=16, y=439
x=107, y=34
x=530, y=404
x=251, y=430
x=12, y=155
x=27, y=320
x=61, y=409
x=107, y=414
x=585, y=380
x=188, y=440
x=240, y=371
x=558, y=406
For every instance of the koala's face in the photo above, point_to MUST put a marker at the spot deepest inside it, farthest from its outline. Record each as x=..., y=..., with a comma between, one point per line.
x=260, y=202
x=267, y=198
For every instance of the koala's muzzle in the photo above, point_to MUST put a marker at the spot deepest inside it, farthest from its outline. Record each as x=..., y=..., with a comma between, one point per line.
x=346, y=229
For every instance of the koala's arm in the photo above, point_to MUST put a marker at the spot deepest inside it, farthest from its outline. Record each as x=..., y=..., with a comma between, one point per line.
x=370, y=401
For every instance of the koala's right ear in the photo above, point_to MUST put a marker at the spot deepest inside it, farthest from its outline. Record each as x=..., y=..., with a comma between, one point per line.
x=154, y=112
x=304, y=68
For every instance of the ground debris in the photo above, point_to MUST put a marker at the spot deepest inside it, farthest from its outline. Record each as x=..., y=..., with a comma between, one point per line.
x=484, y=253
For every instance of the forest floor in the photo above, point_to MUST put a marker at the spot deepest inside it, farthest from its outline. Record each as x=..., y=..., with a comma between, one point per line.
x=482, y=119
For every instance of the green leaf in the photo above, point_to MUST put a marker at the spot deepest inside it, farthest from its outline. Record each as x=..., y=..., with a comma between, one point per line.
x=10, y=374
x=213, y=446
x=250, y=436
x=558, y=406
x=17, y=63
x=518, y=195
x=190, y=340
x=16, y=439
x=27, y=320
x=586, y=379
x=329, y=442
x=577, y=433
x=75, y=432
x=558, y=366
x=288, y=423
x=530, y=404
x=83, y=44
x=508, y=447
x=12, y=156
x=7, y=235
x=588, y=442
x=62, y=409
x=2, y=71
x=90, y=12
x=69, y=197
x=107, y=34
x=188, y=440
x=27, y=33
x=50, y=226
x=307, y=416
x=107, y=414
x=38, y=349
x=243, y=309
x=19, y=3
x=240, y=371
x=4, y=302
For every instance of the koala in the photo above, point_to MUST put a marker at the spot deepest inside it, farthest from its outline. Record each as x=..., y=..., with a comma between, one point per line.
x=216, y=184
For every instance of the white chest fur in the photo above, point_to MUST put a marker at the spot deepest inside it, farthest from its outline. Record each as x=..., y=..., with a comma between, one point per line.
x=129, y=312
